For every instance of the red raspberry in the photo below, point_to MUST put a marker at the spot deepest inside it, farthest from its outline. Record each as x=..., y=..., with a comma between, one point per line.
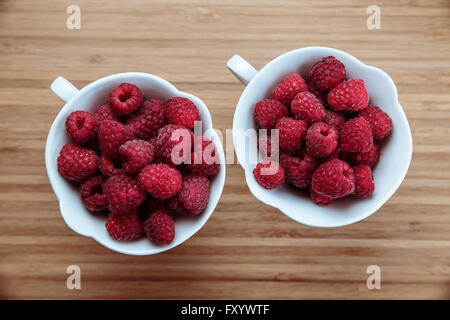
x=287, y=89
x=105, y=112
x=333, y=179
x=81, y=126
x=321, y=95
x=327, y=73
x=364, y=185
x=194, y=194
x=334, y=119
x=124, y=194
x=319, y=199
x=268, y=111
x=356, y=136
x=146, y=122
x=269, y=174
x=369, y=158
x=334, y=155
x=157, y=155
x=110, y=167
x=151, y=205
x=166, y=145
x=124, y=226
x=182, y=111
x=76, y=163
x=291, y=133
x=93, y=145
x=126, y=98
x=350, y=95
x=298, y=170
x=160, y=180
x=135, y=155
x=177, y=207
x=112, y=135
x=380, y=122
x=321, y=139
x=306, y=106
x=92, y=194
x=204, y=159
x=160, y=228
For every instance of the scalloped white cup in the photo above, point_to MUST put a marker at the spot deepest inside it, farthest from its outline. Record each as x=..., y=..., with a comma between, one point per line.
x=395, y=153
x=72, y=210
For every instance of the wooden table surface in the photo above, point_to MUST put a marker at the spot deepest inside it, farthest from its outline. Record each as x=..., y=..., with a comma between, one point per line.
x=246, y=249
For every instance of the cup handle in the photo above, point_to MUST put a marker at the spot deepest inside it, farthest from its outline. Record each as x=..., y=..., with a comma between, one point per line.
x=243, y=70
x=63, y=89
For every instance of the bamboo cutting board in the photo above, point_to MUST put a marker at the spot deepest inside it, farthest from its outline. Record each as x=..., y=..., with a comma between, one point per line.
x=246, y=249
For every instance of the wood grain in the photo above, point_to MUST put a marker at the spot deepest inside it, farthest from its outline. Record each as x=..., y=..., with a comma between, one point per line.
x=247, y=249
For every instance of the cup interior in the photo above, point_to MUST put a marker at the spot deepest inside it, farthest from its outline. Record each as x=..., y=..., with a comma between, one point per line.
x=91, y=224
x=395, y=151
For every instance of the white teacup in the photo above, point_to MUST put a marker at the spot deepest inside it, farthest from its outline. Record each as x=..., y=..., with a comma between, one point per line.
x=76, y=216
x=395, y=153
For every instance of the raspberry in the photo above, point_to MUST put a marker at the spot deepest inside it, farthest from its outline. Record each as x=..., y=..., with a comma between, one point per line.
x=369, y=158
x=151, y=205
x=319, y=199
x=126, y=98
x=124, y=226
x=110, y=167
x=76, y=163
x=327, y=73
x=321, y=95
x=194, y=194
x=356, y=136
x=334, y=155
x=321, y=139
x=334, y=119
x=160, y=180
x=93, y=145
x=364, y=185
x=177, y=207
x=380, y=122
x=287, y=89
x=182, y=111
x=307, y=107
x=298, y=170
x=105, y=112
x=92, y=194
x=157, y=155
x=344, y=155
x=112, y=135
x=81, y=126
x=124, y=194
x=350, y=95
x=135, y=155
x=333, y=179
x=269, y=174
x=291, y=133
x=160, y=228
x=268, y=111
x=204, y=159
x=166, y=145
x=146, y=122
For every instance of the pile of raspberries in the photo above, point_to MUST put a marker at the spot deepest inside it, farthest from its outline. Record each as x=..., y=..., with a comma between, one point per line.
x=123, y=159
x=329, y=134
